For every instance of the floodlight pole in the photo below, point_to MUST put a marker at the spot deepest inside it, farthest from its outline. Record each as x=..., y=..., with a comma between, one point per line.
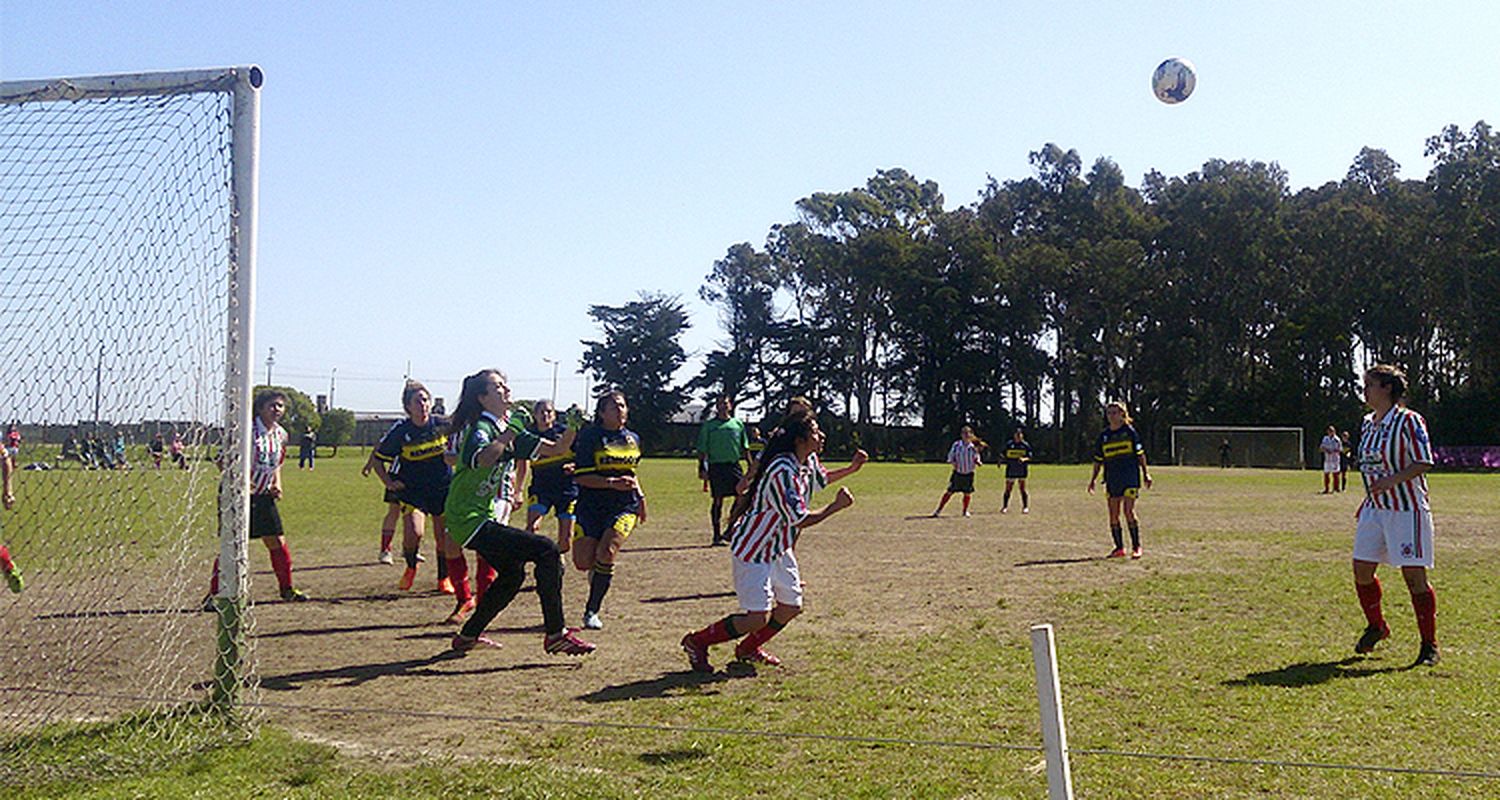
x=554, y=362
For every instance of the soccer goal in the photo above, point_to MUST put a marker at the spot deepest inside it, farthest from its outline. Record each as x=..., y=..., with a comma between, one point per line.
x=127, y=265
x=1247, y=446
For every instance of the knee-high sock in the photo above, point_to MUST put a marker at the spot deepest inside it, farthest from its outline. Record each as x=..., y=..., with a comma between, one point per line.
x=721, y=631
x=1114, y=530
x=484, y=575
x=1135, y=535
x=966, y=503
x=1025, y=499
x=599, y=585
x=281, y=564
x=387, y=535
x=549, y=581
x=1006, y=502
x=442, y=565
x=1369, y=602
x=458, y=570
x=1425, y=604
x=753, y=642
x=411, y=558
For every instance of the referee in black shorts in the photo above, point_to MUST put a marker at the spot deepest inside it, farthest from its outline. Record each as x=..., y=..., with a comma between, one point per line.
x=723, y=442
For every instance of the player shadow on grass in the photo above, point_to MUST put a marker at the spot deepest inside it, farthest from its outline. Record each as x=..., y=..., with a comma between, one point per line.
x=676, y=598
x=352, y=675
x=667, y=685
x=1309, y=673
x=1045, y=562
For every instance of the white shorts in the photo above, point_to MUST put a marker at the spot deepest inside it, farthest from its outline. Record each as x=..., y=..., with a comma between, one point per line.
x=1398, y=538
x=1331, y=462
x=757, y=585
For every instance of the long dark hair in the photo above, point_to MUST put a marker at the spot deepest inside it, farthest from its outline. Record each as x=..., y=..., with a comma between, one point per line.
x=612, y=397
x=469, y=407
x=794, y=426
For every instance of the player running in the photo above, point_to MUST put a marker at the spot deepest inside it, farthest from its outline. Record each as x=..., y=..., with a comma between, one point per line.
x=552, y=487
x=1017, y=464
x=1122, y=456
x=964, y=457
x=1395, y=519
x=610, y=500
x=766, y=581
x=409, y=461
x=480, y=496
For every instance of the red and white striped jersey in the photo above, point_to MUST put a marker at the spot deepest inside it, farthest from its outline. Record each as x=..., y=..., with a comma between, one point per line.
x=964, y=457
x=267, y=451
x=771, y=525
x=815, y=473
x=1388, y=446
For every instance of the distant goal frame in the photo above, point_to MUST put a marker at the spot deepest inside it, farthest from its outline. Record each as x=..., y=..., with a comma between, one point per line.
x=1251, y=461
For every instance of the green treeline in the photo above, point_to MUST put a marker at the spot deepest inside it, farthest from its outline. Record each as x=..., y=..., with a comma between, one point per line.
x=1218, y=297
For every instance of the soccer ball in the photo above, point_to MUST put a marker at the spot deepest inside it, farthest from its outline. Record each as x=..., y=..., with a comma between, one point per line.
x=1173, y=80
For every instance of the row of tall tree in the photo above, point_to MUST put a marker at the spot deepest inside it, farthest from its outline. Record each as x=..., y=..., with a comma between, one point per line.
x=1221, y=296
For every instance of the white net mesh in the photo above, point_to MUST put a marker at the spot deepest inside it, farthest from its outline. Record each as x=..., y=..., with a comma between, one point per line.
x=1204, y=445
x=116, y=274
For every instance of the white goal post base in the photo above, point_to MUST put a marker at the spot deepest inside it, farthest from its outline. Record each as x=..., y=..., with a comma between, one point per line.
x=1249, y=446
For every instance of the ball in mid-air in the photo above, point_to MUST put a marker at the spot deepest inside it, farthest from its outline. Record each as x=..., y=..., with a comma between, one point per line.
x=1173, y=80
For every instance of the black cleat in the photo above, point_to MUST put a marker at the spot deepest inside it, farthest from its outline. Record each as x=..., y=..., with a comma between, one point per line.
x=1372, y=636
x=1428, y=656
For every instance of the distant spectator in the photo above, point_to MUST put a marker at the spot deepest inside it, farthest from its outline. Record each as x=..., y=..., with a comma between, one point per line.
x=178, y=456
x=1224, y=451
x=307, y=449
x=156, y=448
x=1331, y=448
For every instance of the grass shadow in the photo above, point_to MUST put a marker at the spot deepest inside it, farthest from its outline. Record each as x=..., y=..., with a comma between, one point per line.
x=665, y=548
x=347, y=629
x=681, y=597
x=667, y=684
x=1045, y=562
x=119, y=612
x=669, y=757
x=1306, y=673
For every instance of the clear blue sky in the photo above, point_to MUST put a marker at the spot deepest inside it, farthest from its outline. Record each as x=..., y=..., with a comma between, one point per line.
x=452, y=184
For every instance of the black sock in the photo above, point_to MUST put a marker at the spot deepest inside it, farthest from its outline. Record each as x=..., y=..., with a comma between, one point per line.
x=1025, y=499
x=411, y=558
x=442, y=565
x=1114, y=530
x=1006, y=502
x=599, y=585
x=1135, y=535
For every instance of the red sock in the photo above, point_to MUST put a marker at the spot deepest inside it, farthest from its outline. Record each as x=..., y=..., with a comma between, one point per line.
x=966, y=504
x=385, y=539
x=1369, y=601
x=1425, y=604
x=484, y=577
x=718, y=632
x=5, y=563
x=458, y=572
x=753, y=642
x=213, y=583
x=281, y=564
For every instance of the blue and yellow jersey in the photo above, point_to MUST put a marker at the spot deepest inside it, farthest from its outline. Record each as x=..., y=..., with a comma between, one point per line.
x=611, y=454
x=1120, y=451
x=547, y=474
x=413, y=453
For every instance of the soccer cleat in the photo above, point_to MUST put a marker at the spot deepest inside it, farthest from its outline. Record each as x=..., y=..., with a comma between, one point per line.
x=1428, y=656
x=1372, y=636
x=1136, y=553
x=463, y=644
x=697, y=654
x=386, y=557
x=461, y=612
x=936, y=513
x=591, y=620
x=1118, y=552
x=407, y=579
x=445, y=585
x=294, y=595
x=967, y=514
x=567, y=643
x=15, y=580
x=1004, y=510
x=757, y=656
x=1025, y=509
x=421, y=558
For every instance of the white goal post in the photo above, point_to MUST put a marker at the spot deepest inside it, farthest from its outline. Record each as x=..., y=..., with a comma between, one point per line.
x=128, y=208
x=1248, y=446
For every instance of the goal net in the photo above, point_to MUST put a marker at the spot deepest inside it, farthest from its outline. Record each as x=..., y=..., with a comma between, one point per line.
x=1247, y=446
x=126, y=265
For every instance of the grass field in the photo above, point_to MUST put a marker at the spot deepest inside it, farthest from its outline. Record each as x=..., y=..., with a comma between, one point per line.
x=1231, y=638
